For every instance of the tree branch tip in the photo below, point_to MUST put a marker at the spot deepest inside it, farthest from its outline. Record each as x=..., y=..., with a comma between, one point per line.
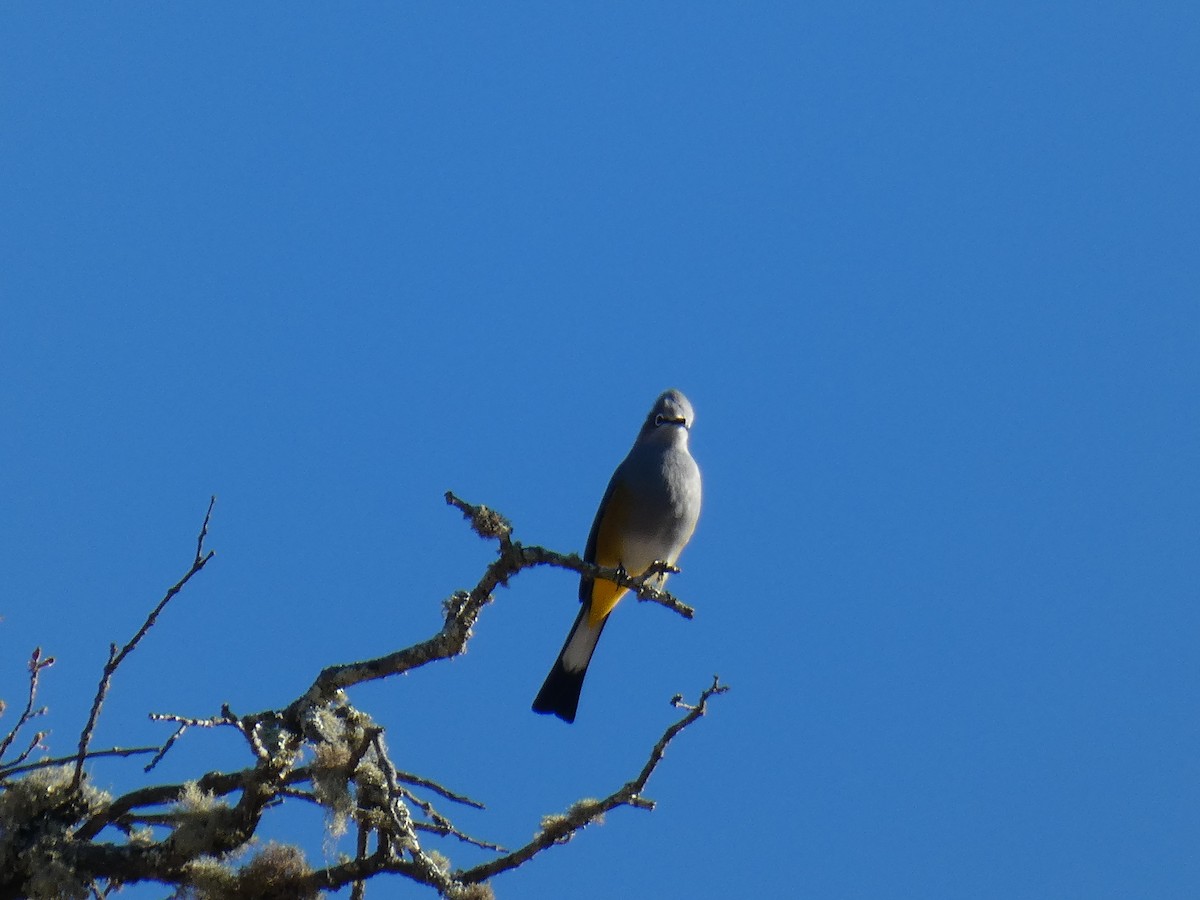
x=485, y=522
x=701, y=705
x=212, y=500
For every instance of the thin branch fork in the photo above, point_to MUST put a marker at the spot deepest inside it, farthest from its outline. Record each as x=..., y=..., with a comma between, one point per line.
x=8, y=771
x=559, y=829
x=36, y=664
x=116, y=657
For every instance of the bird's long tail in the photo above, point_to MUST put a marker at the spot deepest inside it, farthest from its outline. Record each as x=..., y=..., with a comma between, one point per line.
x=560, y=692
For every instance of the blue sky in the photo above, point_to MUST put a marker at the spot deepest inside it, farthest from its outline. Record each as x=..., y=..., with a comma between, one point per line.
x=928, y=275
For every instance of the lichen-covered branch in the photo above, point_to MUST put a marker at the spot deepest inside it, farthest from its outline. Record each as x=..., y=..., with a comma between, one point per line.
x=60, y=837
x=487, y=523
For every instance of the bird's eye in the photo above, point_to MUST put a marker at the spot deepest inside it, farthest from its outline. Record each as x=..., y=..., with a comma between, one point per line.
x=659, y=420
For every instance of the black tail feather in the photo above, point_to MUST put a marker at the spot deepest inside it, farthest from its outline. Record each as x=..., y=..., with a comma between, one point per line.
x=560, y=692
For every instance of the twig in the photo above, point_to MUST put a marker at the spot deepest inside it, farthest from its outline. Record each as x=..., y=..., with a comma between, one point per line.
x=418, y=781
x=34, y=743
x=185, y=723
x=448, y=830
x=559, y=829
x=7, y=771
x=116, y=657
x=441, y=825
x=36, y=664
x=694, y=712
x=189, y=722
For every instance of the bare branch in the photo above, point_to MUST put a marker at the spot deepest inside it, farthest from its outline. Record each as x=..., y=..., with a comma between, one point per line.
x=116, y=657
x=8, y=771
x=36, y=664
x=185, y=723
x=418, y=781
x=559, y=829
x=694, y=712
x=35, y=742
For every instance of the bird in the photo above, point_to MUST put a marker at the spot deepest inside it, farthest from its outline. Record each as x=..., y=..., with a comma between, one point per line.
x=648, y=515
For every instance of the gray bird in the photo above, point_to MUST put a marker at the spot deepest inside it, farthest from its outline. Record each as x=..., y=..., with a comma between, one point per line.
x=647, y=515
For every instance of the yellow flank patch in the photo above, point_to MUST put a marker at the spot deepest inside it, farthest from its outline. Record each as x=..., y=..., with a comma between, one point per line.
x=605, y=595
x=614, y=523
